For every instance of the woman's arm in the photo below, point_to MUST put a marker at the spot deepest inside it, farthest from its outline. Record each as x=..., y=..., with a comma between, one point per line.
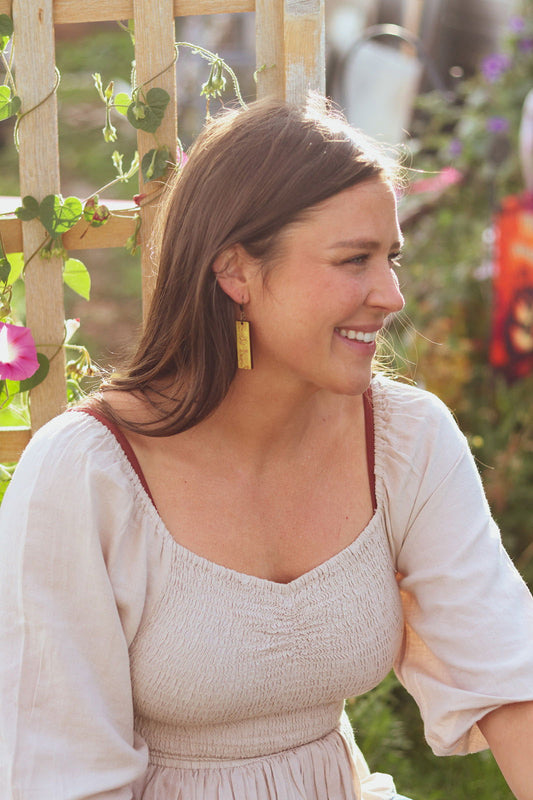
x=71, y=595
x=468, y=644
x=509, y=732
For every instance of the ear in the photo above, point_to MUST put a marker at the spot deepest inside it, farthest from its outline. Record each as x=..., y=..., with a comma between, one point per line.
x=233, y=269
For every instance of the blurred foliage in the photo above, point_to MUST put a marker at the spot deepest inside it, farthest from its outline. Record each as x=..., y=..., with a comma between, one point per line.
x=443, y=338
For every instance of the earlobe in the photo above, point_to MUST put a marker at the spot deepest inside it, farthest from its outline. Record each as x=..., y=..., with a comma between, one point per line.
x=231, y=268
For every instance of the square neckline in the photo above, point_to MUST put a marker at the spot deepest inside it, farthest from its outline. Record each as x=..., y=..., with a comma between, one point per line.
x=206, y=563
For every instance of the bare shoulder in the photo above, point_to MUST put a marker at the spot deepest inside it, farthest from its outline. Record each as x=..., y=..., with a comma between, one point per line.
x=128, y=410
x=129, y=405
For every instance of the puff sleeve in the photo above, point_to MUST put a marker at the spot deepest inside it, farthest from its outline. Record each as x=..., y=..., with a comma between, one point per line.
x=72, y=593
x=468, y=635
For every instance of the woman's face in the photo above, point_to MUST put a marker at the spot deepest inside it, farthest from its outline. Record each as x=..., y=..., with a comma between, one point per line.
x=315, y=318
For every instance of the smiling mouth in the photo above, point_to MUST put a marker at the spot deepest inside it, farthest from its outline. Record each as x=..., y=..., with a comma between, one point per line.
x=358, y=336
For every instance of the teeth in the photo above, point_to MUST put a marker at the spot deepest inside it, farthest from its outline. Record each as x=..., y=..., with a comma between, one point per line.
x=359, y=336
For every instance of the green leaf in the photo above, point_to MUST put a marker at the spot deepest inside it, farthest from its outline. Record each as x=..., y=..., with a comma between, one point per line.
x=147, y=116
x=12, y=388
x=121, y=103
x=154, y=163
x=5, y=475
x=3, y=488
x=76, y=276
x=9, y=104
x=5, y=269
x=6, y=31
x=74, y=391
x=58, y=215
x=16, y=261
x=8, y=390
x=38, y=376
x=5, y=266
x=28, y=210
x=6, y=25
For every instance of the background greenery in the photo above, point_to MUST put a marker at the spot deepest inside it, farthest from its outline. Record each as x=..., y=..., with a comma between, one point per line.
x=441, y=341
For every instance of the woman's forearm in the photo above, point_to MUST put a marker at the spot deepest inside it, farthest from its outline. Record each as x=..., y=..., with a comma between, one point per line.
x=509, y=732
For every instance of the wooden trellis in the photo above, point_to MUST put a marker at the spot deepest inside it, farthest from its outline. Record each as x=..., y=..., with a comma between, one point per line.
x=289, y=48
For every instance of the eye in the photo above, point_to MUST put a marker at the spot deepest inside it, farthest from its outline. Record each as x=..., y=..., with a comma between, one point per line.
x=396, y=259
x=362, y=258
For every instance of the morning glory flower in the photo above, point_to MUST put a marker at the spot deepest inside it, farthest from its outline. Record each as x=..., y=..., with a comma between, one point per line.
x=18, y=357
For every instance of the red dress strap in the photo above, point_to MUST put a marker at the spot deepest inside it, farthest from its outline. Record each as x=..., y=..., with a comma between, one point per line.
x=369, y=436
x=123, y=442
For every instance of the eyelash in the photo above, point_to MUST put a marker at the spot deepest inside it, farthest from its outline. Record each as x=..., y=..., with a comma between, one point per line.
x=394, y=258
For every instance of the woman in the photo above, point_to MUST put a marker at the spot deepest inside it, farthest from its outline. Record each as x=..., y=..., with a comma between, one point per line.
x=206, y=559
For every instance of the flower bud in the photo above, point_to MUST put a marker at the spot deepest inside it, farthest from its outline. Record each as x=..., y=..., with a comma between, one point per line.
x=110, y=132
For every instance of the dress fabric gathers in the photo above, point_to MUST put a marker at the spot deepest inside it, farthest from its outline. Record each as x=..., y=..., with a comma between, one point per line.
x=132, y=668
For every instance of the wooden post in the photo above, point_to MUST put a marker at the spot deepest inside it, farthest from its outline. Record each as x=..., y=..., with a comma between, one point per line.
x=154, y=53
x=270, y=61
x=39, y=176
x=304, y=43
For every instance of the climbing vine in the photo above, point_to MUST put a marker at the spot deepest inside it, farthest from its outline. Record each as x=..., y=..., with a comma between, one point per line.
x=145, y=109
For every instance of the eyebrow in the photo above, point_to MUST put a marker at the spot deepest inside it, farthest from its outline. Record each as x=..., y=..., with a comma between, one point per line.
x=363, y=244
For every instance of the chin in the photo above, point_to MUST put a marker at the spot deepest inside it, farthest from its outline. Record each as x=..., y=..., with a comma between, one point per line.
x=353, y=387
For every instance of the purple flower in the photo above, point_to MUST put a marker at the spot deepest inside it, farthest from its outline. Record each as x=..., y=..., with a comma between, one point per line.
x=525, y=45
x=455, y=148
x=494, y=66
x=517, y=24
x=497, y=124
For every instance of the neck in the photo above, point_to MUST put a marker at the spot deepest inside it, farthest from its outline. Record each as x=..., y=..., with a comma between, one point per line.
x=263, y=422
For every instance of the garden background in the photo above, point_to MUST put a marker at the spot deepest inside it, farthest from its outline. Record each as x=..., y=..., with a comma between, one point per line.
x=463, y=154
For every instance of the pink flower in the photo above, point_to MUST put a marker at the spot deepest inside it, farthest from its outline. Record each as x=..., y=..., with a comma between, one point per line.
x=18, y=357
x=446, y=177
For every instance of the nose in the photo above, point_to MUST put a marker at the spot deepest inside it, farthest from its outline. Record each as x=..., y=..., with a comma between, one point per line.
x=385, y=290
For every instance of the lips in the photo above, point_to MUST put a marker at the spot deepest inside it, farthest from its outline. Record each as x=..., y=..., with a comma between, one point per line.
x=368, y=337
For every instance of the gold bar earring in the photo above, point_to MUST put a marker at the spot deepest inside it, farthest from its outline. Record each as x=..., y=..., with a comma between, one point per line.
x=244, y=349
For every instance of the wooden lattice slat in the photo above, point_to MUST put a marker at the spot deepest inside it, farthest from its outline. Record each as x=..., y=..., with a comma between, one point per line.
x=154, y=23
x=304, y=46
x=81, y=237
x=12, y=443
x=270, y=58
x=65, y=11
x=39, y=176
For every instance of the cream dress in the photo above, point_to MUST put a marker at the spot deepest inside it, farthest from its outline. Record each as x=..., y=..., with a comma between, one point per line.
x=132, y=668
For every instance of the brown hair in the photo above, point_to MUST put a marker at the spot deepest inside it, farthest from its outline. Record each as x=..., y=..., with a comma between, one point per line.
x=250, y=173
